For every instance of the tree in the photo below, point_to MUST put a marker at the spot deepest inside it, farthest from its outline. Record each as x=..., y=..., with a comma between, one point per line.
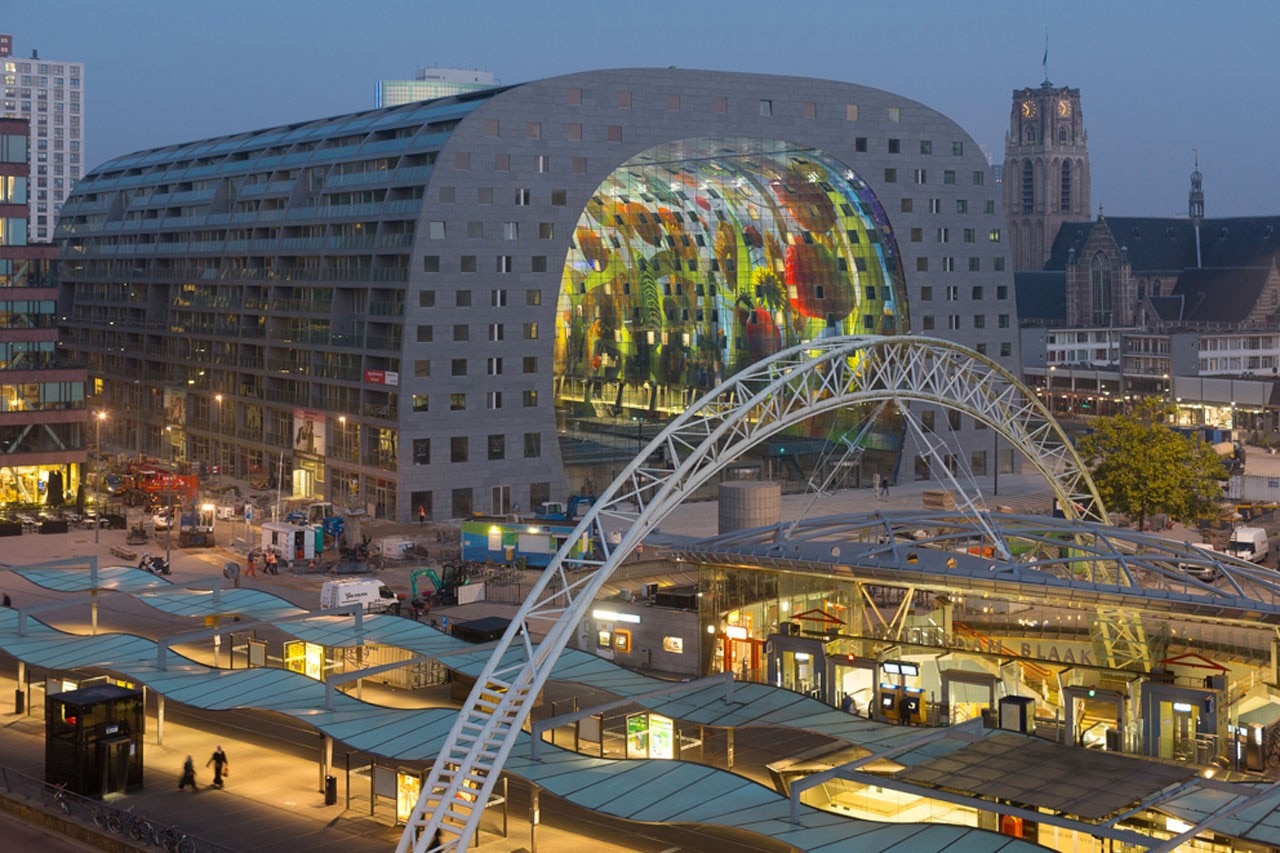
x=1141, y=466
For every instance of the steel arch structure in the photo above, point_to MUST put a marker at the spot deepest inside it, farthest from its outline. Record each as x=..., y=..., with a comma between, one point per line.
x=773, y=394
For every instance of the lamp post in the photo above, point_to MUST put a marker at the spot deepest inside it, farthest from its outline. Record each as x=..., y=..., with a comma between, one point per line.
x=99, y=417
x=1048, y=383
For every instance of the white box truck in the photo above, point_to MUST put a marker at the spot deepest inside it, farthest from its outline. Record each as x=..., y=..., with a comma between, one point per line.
x=1248, y=543
x=375, y=595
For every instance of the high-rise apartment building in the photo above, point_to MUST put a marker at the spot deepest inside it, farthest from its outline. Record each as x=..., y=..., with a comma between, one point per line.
x=431, y=83
x=49, y=94
x=42, y=404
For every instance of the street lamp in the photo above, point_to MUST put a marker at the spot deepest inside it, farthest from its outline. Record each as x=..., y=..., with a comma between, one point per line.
x=99, y=417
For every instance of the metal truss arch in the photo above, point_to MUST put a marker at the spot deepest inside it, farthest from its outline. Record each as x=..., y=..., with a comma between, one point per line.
x=769, y=396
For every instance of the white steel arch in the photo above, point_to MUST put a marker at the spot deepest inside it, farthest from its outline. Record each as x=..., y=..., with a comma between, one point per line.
x=773, y=394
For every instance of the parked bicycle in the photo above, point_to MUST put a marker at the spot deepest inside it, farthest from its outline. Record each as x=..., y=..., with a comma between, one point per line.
x=174, y=840
x=63, y=799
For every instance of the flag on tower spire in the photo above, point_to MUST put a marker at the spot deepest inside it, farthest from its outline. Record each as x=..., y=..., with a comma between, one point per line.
x=1044, y=63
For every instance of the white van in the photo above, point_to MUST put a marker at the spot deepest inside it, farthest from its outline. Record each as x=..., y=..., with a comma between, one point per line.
x=1248, y=543
x=375, y=595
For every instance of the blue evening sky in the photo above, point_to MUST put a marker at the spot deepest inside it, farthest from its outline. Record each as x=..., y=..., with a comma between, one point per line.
x=1157, y=79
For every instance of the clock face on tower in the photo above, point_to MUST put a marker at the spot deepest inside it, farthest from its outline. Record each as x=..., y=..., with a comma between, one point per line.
x=1028, y=109
x=1064, y=108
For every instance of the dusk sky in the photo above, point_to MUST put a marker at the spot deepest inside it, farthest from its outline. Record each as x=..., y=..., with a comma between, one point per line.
x=1157, y=79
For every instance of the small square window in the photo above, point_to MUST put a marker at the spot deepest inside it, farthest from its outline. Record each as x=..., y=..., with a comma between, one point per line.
x=926, y=293
x=431, y=263
x=475, y=230
x=538, y=263
x=720, y=104
x=529, y=364
x=926, y=146
x=860, y=144
x=422, y=451
x=614, y=133
x=766, y=107
x=624, y=100
x=530, y=331
x=542, y=163
x=502, y=162
x=533, y=297
x=420, y=403
x=851, y=114
x=809, y=110
x=890, y=176
x=532, y=445
x=457, y=402
x=467, y=263
x=559, y=198
x=458, y=367
x=957, y=149
x=979, y=178
x=895, y=146
x=574, y=97
x=492, y=127
x=422, y=368
x=504, y=264
x=949, y=176
x=458, y=448
x=578, y=165
x=461, y=332
x=546, y=231
x=523, y=197
x=895, y=114
x=905, y=205
x=533, y=130
x=424, y=334
x=573, y=132
x=435, y=229
x=497, y=447
x=448, y=195
x=462, y=161
x=529, y=398
x=673, y=102
x=922, y=264
x=484, y=195
x=1006, y=349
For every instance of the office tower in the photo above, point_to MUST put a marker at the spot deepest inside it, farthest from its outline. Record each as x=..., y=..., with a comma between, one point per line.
x=431, y=83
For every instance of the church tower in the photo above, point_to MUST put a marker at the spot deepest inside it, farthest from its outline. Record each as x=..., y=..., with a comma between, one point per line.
x=1046, y=170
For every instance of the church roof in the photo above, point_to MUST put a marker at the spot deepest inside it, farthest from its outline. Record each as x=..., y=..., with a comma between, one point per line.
x=1167, y=308
x=1042, y=297
x=1169, y=244
x=1223, y=295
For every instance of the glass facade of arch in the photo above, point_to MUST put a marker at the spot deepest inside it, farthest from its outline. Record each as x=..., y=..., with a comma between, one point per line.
x=700, y=257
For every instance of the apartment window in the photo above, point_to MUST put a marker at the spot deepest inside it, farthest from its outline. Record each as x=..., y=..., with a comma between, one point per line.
x=975, y=265
x=475, y=230
x=498, y=298
x=504, y=264
x=492, y=127
x=484, y=195
x=431, y=263
x=895, y=114
x=461, y=502
x=573, y=132
x=538, y=263
x=809, y=110
x=935, y=205
x=981, y=348
x=532, y=445
x=953, y=420
x=921, y=176
x=953, y=322
x=922, y=264
x=949, y=177
x=979, y=177
x=462, y=161
x=533, y=297
x=546, y=230
x=917, y=235
x=495, y=331
x=574, y=97
x=944, y=235
x=578, y=165
x=624, y=100
x=720, y=104
x=998, y=264
x=493, y=400
x=890, y=176
x=926, y=293
x=461, y=333
x=435, y=229
x=529, y=364
x=421, y=403
x=1006, y=349
x=462, y=299
x=530, y=331
x=895, y=146
x=926, y=146
x=989, y=207
x=613, y=133
x=994, y=235
x=559, y=198
x=927, y=419
x=962, y=206
x=422, y=451
x=860, y=144
x=542, y=163
x=523, y=197
x=457, y=402
x=969, y=235
x=458, y=448
x=673, y=102
x=1002, y=291
x=529, y=398
x=494, y=366
x=953, y=293
x=926, y=323
x=502, y=162
x=851, y=114
x=766, y=107
x=957, y=149
x=424, y=334
x=497, y=447
x=906, y=205
x=533, y=130
x=948, y=264
x=979, y=321
x=422, y=368
x=1002, y=320
x=458, y=367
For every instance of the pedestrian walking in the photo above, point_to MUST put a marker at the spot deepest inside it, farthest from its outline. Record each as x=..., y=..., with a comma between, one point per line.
x=249, y=570
x=188, y=775
x=422, y=514
x=884, y=488
x=220, y=766
x=273, y=564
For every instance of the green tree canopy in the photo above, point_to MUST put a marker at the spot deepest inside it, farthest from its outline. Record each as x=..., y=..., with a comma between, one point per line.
x=1142, y=466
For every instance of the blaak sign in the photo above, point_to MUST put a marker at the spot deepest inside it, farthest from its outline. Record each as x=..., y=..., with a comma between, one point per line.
x=382, y=377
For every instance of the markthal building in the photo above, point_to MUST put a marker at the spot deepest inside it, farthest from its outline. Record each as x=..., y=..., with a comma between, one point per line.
x=479, y=303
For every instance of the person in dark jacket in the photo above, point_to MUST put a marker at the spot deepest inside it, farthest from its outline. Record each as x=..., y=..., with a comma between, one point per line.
x=188, y=775
x=220, y=766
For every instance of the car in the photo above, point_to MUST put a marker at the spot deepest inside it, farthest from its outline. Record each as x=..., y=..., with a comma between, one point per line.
x=160, y=519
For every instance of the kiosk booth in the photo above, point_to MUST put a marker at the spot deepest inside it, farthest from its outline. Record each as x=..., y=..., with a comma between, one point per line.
x=93, y=740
